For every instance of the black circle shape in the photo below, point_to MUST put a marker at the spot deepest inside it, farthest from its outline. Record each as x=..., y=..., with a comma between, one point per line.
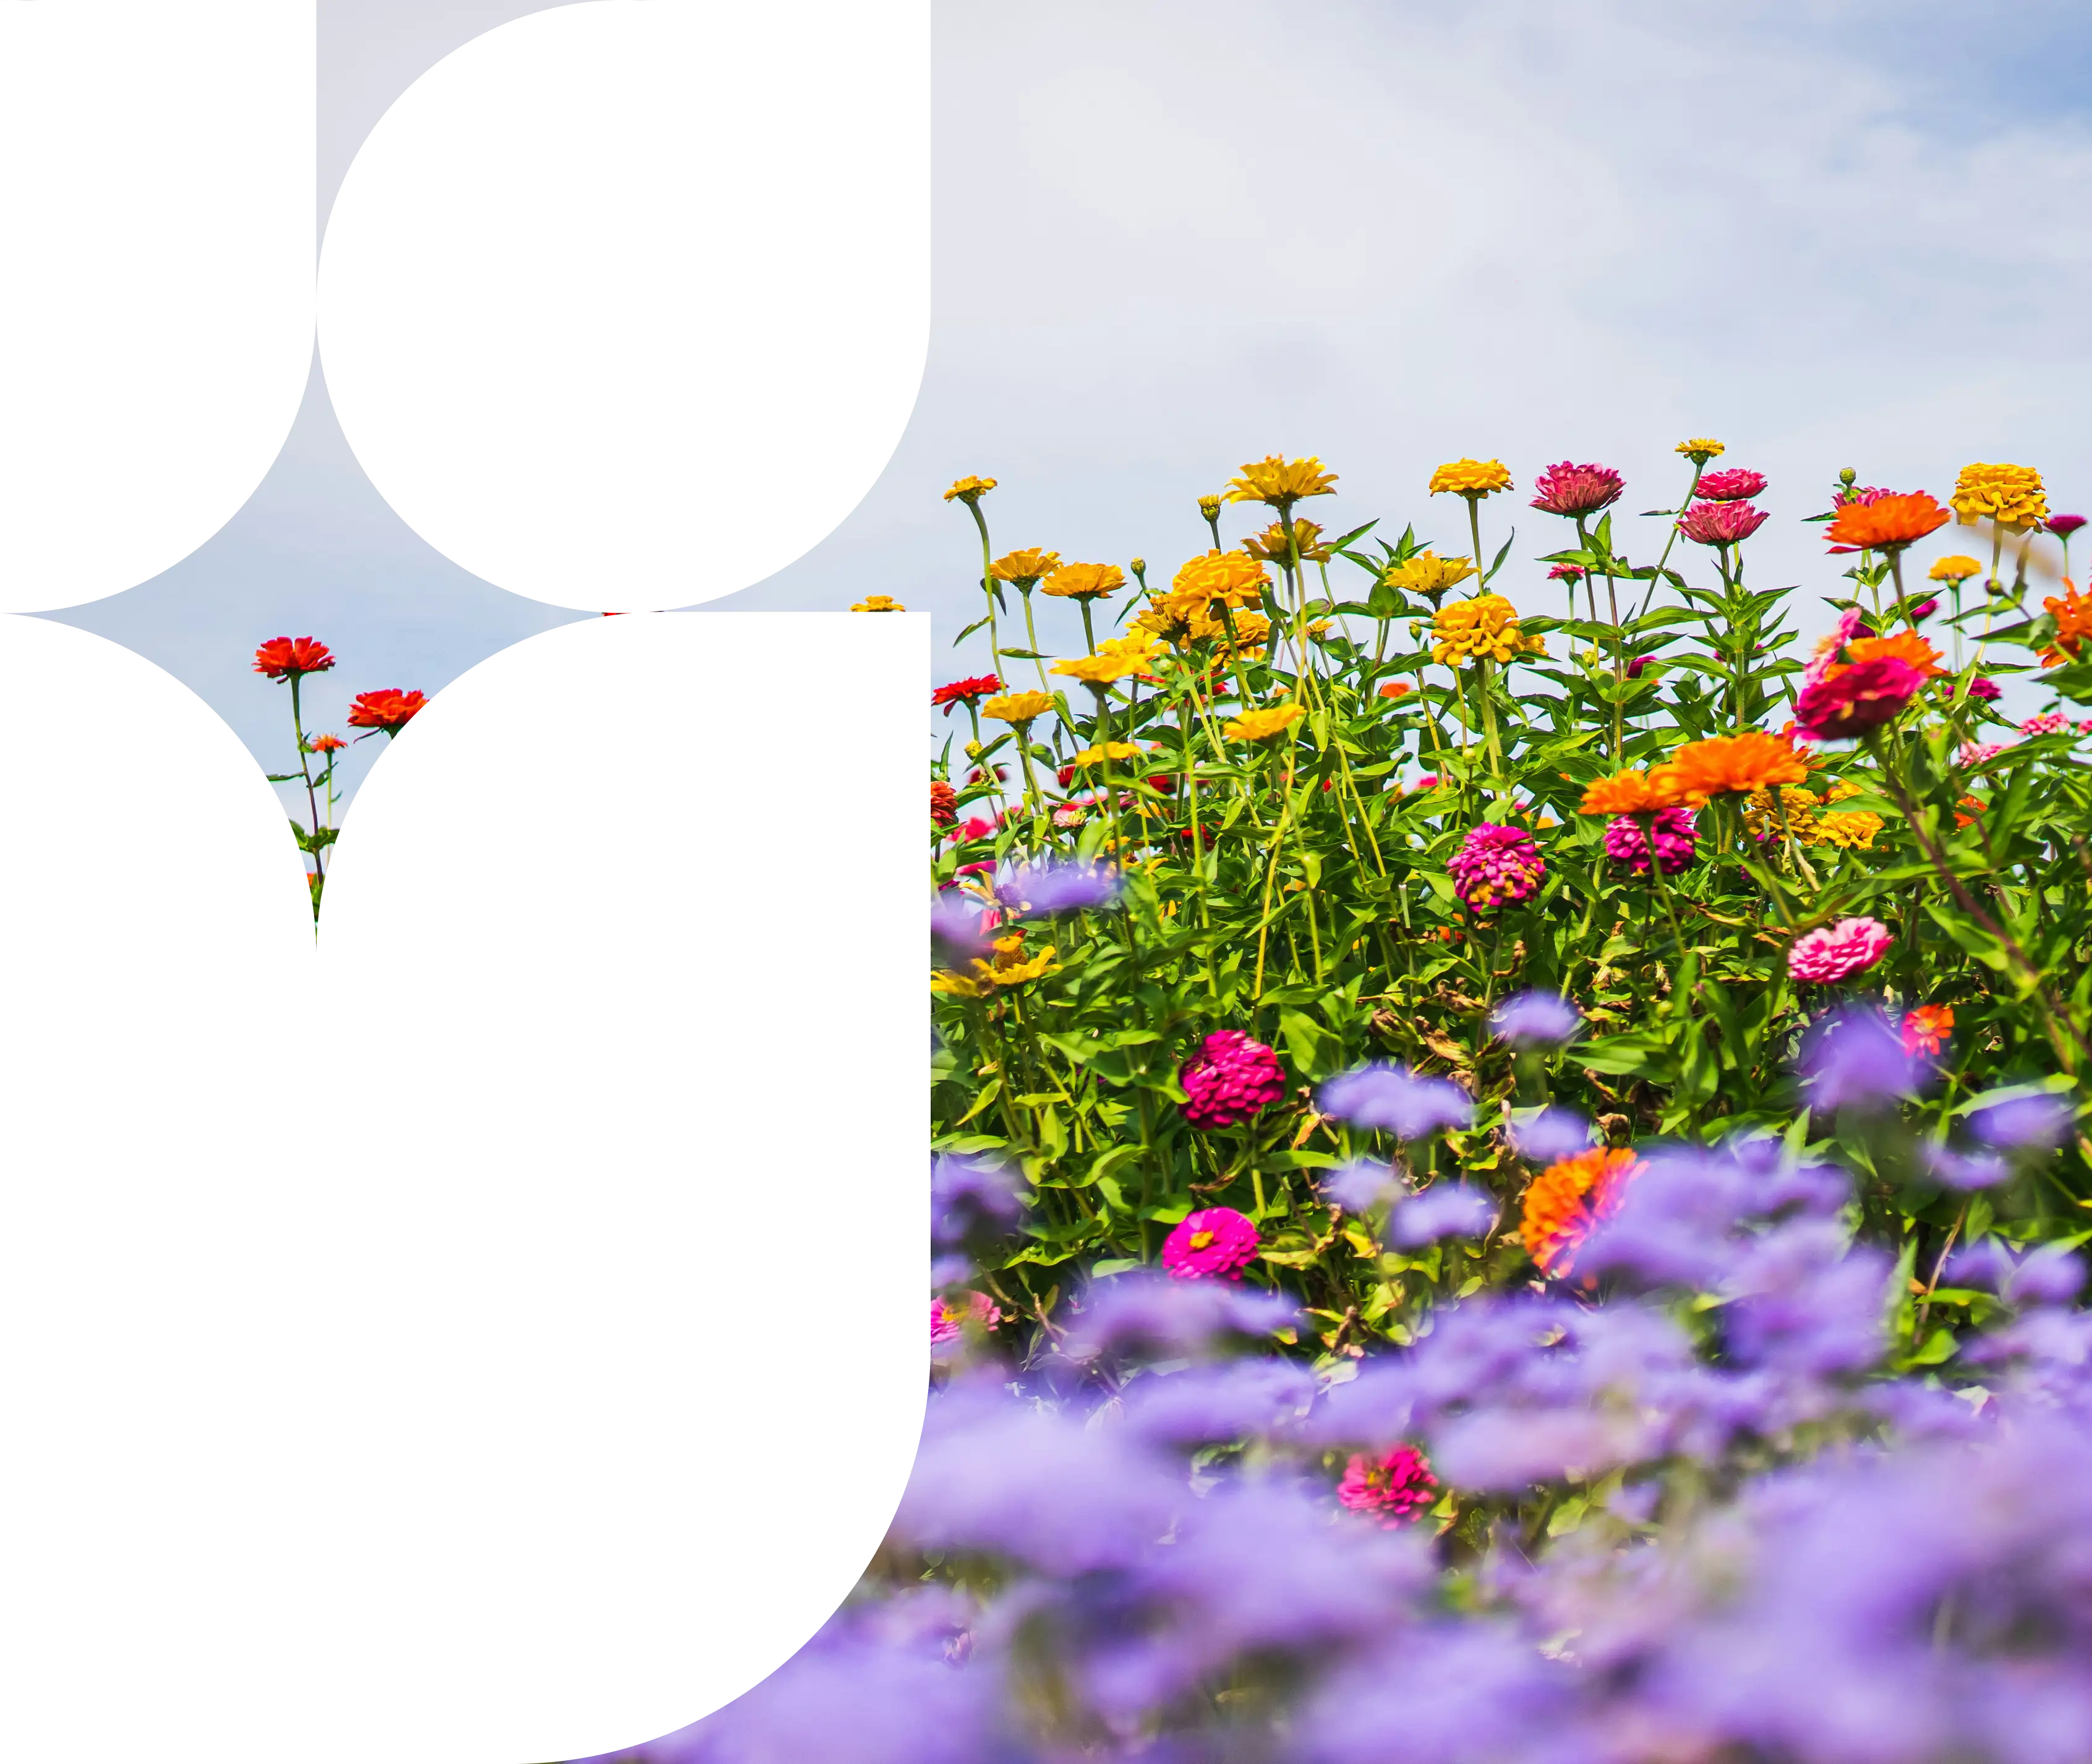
x=613, y=291
x=156, y=316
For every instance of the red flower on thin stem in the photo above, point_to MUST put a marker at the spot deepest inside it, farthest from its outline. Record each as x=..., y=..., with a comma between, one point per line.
x=327, y=744
x=388, y=708
x=964, y=691
x=286, y=658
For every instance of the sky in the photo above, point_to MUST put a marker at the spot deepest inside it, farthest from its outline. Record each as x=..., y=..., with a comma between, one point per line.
x=1173, y=236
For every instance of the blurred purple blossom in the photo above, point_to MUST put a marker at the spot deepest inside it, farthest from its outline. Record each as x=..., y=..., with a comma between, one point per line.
x=972, y=1201
x=1394, y=1100
x=1444, y=1209
x=955, y=925
x=1959, y=1170
x=1048, y=889
x=1551, y=1136
x=1852, y=1059
x=1535, y=1018
x=1359, y=1186
x=1144, y=1311
x=2035, y=1123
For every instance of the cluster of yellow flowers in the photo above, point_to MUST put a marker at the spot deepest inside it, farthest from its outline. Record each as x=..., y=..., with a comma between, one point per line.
x=1116, y=657
x=1010, y=967
x=1427, y=574
x=1484, y=626
x=2012, y=496
x=1810, y=818
x=1182, y=621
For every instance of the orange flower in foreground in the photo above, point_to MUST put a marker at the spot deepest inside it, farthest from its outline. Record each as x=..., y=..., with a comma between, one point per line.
x=2073, y=624
x=1632, y=792
x=1905, y=646
x=1565, y=1201
x=388, y=709
x=1397, y=689
x=1889, y=522
x=285, y=658
x=1925, y=1029
x=1729, y=765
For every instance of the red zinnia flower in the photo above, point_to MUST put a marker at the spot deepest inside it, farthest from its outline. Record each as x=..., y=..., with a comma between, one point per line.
x=327, y=744
x=1721, y=523
x=1738, y=484
x=388, y=708
x=964, y=691
x=1569, y=488
x=943, y=804
x=1857, y=698
x=285, y=658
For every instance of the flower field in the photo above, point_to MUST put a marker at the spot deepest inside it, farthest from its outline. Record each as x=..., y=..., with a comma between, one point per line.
x=1508, y=1167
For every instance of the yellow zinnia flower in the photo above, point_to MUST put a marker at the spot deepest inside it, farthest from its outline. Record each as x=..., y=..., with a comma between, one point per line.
x=1024, y=568
x=1100, y=669
x=1017, y=707
x=1955, y=568
x=1849, y=829
x=1260, y=725
x=877, y=603
x=969, y=489
x=1799, y=805
x=1487, y=625
x=1427, y=574
x=1701, y=449
x=1210, y=507
x=2012, y=496
x=1234, y=577
x=1471, y=478
x=1280, y=482
x=1270, y=547
x=1084, y=582
x=1009, y=968
x=1098, y=755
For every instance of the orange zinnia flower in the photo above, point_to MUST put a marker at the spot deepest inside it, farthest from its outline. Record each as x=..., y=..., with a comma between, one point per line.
x=1729, y=765
x=1397, y=689
x=388, y=709
x=2073, y=624
x=1885, y=524
x=1905, y=647
x=1925, y=1029
x=1565, y=1201
x=1975, y=802
x=1632, y=792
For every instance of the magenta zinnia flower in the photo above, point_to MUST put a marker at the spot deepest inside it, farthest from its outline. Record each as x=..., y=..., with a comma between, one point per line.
x=1837, y=952
x=1738, y=484
x=1229, y=1080
x=2048, y=722
x=1980, y=687
x=1721, y=523
x=2064, y=526
x=1924, y=610
x=1576, y=489
x=1214, y=1243
x=1495, y=864
x=1865, y=498
x=1857, y=698
x=1672, y=832
x=1393, y=1486
x=949, y=1317
x=1566, y=572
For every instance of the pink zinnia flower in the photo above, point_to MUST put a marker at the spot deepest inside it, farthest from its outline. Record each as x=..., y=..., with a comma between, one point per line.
x=1982, y=687
x=1975, y=753
x=2064, y=526
x=1566, y=572
x=1576, y=489
x=1635, y=668
x=1670, y=831
x=1865, y=498
x=949, y=1317
x=1861, y=697
x=1229, y=1080
x=1851, y=624
x=1495, y=864
x=2048, y=722
x=975, y=827
x=1721, y=523
x=1212, y=1243
x=1428, y=781
x=1924, y=610
x=1837, y=952
x=2084, y=727
x=1395, y=1486
x=1738, y=484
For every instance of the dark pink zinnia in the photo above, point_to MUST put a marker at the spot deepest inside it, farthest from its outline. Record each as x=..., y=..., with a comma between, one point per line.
x=1215, y=1242
x=1393, y=1487
x=1576, y=489
x=1229, y=1080
x=1721, y=523
x=1982, y=687
x=1739, y=483
x=1865, y=498
x=1857, y=698
x=1923, y=611
x=1671, y=830
x=1495, y=864
x=1565, y=572
x=2064, y=526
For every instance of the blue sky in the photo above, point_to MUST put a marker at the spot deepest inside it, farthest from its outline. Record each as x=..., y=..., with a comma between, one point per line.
x=1173, y=237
